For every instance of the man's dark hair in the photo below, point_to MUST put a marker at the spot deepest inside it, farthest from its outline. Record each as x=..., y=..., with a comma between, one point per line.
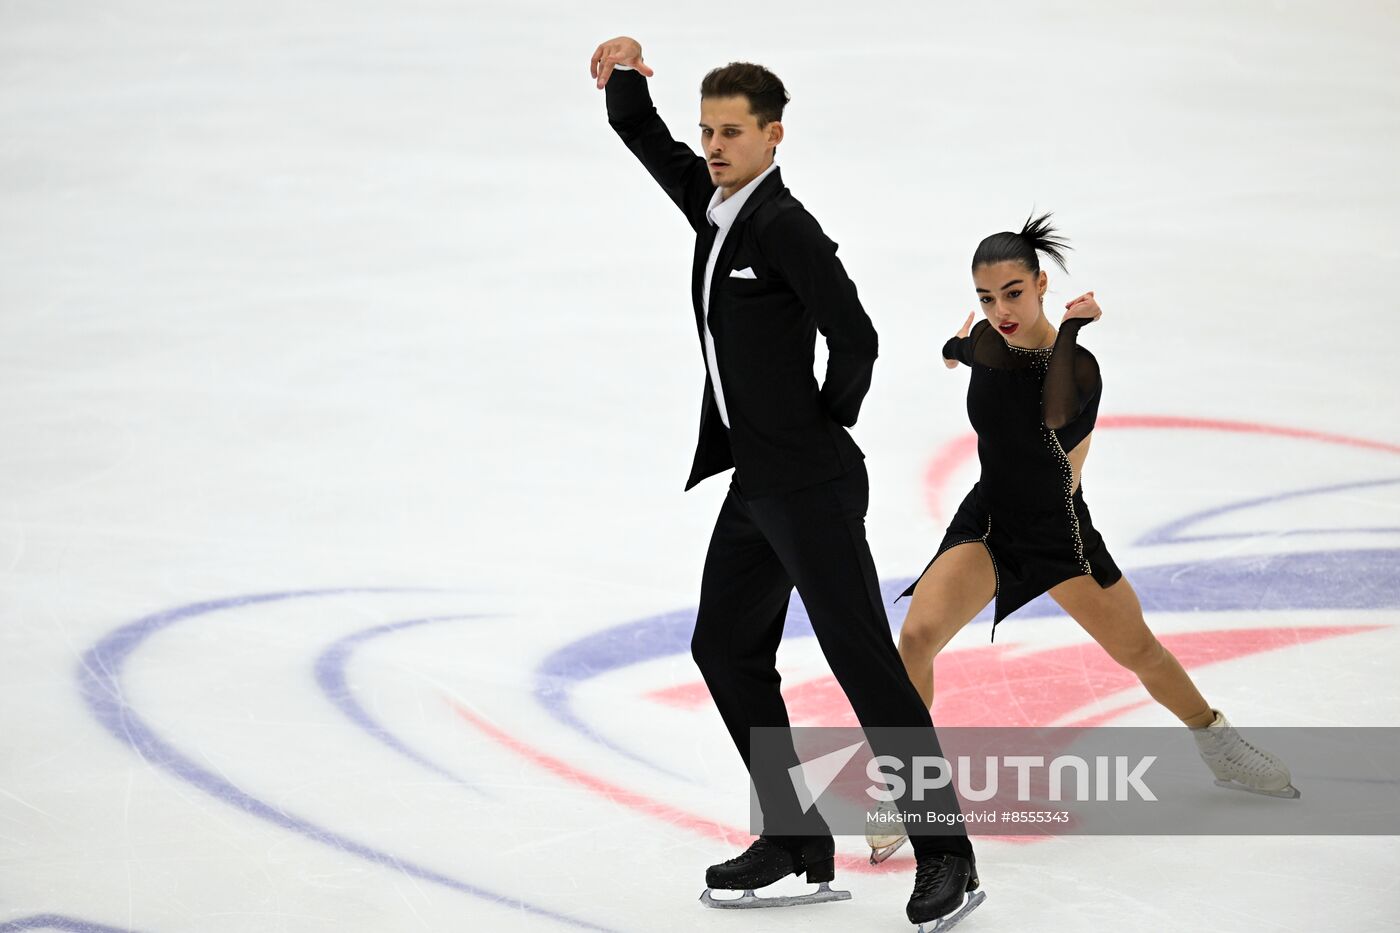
x=765, y=91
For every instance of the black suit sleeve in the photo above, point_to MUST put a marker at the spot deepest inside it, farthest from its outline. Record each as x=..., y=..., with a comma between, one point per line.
x=677, y=169
x=805, y=258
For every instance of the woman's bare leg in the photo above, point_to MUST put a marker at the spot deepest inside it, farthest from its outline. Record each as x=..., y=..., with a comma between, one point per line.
x=1113, y=618
x=952, y=591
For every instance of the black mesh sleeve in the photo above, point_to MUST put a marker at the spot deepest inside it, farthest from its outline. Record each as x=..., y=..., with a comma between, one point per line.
x=1072, y=378
x=964, y=349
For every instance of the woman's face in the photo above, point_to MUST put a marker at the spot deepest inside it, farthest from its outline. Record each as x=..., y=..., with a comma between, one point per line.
x=1011, y=298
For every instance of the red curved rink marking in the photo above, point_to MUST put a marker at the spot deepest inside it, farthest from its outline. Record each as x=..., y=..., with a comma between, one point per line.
x=673, y=816
x=997, y=685
x=955, y=452
x=1001, y=685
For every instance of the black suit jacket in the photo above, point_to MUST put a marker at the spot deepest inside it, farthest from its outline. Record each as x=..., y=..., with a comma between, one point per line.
x=784, y=432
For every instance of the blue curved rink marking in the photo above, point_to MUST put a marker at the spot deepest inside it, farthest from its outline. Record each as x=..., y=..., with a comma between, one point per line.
x=1170, y=533
x=1358, y=579
x=56, y=922
x=99, y=676
x=330, y=676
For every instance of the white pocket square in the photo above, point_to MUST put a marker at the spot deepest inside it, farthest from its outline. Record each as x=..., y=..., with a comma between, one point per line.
x=744, y=273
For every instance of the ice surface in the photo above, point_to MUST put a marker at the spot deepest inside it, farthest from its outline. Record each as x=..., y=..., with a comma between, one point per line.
x=348, y=385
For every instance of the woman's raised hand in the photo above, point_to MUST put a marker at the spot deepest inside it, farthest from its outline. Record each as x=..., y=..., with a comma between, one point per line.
x=1084, y=306
x=962, y=332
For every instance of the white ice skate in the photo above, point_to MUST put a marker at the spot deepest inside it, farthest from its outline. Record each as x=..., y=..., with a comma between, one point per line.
x=1239, y=765
x=884, y=832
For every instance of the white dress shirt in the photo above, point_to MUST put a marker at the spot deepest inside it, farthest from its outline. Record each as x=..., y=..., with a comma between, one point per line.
x=721, y=213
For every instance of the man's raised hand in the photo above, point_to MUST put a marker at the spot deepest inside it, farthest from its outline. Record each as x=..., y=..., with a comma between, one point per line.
x=620, y=51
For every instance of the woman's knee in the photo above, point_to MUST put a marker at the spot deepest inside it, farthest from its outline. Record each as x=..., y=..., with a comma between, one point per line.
x=1141, y=654
x=924, y=634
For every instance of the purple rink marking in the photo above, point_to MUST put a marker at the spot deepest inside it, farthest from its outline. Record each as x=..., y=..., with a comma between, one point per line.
x=1360, y=579
x=1170, y=533
x=55, y=922
x=99, y=678
x=330, y=675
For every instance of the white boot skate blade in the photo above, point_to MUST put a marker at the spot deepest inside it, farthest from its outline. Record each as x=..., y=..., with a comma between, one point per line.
x=748, y=900
x=1290, y=792
x=879, y=853
x=970, y=903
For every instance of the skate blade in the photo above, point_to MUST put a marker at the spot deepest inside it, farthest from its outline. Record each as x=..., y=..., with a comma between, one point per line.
x=1290, y=792
x=879, y=853
x=748, y=900
x=970, y=903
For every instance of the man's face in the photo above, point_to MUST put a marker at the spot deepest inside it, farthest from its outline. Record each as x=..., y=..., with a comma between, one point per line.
x=735, y=147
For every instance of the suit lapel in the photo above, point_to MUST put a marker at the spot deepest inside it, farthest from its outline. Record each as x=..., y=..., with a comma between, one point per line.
x=765, y=190
x=704, y=240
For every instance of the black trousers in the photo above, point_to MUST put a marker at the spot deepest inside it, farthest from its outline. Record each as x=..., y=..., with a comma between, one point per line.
x=814, y=539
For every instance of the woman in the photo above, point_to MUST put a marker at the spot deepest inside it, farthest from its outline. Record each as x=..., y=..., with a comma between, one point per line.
x=1024, y=529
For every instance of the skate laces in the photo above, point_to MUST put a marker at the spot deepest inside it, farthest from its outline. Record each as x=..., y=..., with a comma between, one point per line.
x=1242, y=754
x=760, y=847
x=931, y=873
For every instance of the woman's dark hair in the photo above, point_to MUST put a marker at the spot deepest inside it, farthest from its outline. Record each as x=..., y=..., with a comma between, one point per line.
x=765, y=91
x=1036, y=236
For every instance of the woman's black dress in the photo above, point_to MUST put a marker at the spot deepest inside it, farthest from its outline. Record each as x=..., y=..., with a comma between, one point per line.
x=1029, y=409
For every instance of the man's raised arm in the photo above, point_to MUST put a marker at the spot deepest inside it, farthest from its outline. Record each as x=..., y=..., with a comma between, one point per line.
x=617, y=66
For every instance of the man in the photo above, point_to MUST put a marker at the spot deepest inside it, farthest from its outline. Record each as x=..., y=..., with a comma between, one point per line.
x=765, y=280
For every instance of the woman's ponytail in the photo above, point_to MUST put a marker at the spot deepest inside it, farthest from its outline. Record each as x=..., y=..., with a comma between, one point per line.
x=1036, y=236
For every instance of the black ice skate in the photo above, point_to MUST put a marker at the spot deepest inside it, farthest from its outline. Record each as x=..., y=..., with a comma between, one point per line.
x=766, y=862
x=945, y=891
